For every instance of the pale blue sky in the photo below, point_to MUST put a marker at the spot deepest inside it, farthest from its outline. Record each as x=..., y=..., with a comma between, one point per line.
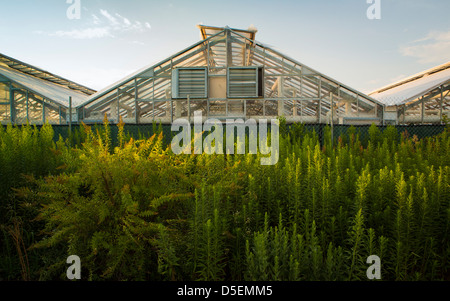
x=115, y=38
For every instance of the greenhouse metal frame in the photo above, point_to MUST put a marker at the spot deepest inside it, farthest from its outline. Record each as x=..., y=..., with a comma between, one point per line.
x=31, y=95
x=423, y=98
x=226, y=75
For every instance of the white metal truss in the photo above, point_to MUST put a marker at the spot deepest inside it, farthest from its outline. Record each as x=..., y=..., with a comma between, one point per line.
x=30, y=94
x=419, y=99
x=286, y=87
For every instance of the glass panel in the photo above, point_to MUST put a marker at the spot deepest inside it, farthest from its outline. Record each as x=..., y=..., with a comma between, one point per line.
x=4, y=92
x=145, y=88
x=199, y=105
x=180, y=108
x=5, y=113
x=4, y=103
x=35, y=109
x=255, y=107
x=20, y=104
x=217, y=108
x=271, y=108
x=351, y=102
x=309, y=86
x=288, y=108
x=145, y=112
x=235, y=108
x=95, y=112
x=51, y=113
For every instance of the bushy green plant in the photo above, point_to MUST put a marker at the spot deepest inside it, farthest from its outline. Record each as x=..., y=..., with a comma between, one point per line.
x=132, y=210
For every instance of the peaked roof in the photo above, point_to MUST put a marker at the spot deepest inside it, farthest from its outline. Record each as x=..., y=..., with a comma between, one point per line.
x=217, y=54
x=413, y=87
x=43, y=83
x=208, y=31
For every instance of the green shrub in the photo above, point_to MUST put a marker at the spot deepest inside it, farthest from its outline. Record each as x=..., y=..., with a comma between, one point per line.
x=132, y=210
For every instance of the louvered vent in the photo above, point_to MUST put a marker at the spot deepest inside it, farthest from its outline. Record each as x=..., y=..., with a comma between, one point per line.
x=190, y=82
x=242, y=82
x=245, y=82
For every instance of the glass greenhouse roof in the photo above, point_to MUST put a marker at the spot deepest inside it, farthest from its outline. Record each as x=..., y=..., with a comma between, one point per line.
x=413, y=87
x=57, y=93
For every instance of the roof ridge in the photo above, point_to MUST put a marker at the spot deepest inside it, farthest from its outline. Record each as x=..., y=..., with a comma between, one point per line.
x=46, y=75
x=412, y=78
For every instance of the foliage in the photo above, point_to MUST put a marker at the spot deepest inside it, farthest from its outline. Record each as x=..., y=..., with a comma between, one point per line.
x=132, y=210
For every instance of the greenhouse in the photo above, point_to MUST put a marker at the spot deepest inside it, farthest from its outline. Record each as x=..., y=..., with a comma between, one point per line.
x=228, y=74
x=420, y=99
x=30, y=94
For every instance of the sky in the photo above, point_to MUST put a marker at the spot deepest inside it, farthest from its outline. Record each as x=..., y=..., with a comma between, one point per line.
x=112, y=39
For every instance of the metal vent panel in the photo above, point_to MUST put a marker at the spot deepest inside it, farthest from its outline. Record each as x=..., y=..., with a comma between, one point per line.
x=243, y=82
x=192, y=82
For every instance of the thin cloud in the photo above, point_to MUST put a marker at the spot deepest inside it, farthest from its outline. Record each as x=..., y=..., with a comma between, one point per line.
x=103, y=25
x=111, y=19
x=96, y=20
x=119, y=23
x=433, y=48
x=125, y=21
x=88, y=33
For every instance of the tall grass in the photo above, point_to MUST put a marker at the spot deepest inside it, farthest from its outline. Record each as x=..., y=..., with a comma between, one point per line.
x=24, y=151
x=133, y=210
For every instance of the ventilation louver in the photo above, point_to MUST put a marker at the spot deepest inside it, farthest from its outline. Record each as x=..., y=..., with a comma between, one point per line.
x=245, y=82
x=190, y=82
